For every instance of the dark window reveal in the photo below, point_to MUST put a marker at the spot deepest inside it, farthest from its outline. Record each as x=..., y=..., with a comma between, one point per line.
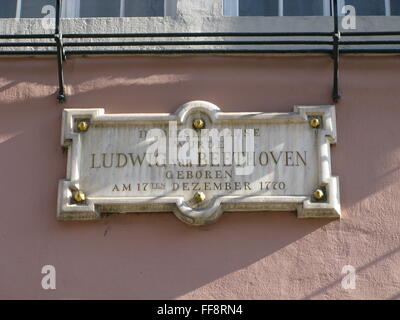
x=258, y=8
x=303, y=8
x=140, y=8
x=8, y=8
x=369, y=7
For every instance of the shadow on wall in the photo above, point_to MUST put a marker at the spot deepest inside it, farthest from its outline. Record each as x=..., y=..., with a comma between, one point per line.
x=143, y=256
x=378, y=260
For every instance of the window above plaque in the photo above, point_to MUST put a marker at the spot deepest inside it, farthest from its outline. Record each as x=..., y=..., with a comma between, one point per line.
x=88, y=8
x=160, y=8
x=196, y=16
x=308, y=7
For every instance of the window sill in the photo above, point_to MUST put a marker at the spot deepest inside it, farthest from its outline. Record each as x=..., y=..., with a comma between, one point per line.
x=184, y=24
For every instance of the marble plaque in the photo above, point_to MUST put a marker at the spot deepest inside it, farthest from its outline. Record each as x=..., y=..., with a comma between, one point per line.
x=199, y=162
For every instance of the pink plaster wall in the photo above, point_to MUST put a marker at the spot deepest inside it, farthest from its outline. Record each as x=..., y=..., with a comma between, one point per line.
x=243, y=255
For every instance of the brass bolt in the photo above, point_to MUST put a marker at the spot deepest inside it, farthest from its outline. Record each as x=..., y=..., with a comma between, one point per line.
x=315, y=123
x=79, y=196
x=199, y=197
x=318, y=194
x=198, y=124
x=83, y=126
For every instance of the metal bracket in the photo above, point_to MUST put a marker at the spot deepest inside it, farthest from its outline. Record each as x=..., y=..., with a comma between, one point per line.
x=60, y=54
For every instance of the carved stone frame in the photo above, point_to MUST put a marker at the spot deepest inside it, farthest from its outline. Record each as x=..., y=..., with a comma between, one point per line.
x=306, y=206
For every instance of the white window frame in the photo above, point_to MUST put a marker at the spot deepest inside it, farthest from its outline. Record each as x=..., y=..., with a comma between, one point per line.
x=71, y=8
x=18, y=9
x=388, y=9
x=231, y=7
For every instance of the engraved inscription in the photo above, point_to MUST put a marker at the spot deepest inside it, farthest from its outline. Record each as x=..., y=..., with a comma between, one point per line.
x=199, y=162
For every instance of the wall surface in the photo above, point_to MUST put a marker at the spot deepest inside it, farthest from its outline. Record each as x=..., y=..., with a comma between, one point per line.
x=244, y=255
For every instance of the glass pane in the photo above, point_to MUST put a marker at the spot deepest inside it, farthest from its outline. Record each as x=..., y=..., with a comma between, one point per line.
x=303, y=8
x=33, y=9
x=368, y=8
x=144, y=8
x=395, y=7
x=258, y=8
x=100, y=8
x=8, y=8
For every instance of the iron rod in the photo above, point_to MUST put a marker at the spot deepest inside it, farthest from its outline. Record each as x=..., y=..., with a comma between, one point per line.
x=60, y=54
x=336, y=53
x=200, y=51
x=192, y=43
x=28, y=44
x=198, y=34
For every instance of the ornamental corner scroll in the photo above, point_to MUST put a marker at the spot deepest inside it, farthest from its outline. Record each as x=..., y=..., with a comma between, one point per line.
x=199, y=162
